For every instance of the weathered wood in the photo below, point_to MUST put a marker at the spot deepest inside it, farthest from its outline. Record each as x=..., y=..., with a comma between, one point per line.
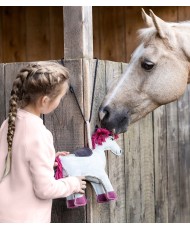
x=2, y=94
x=1, y=35
x=78, y=37
x=116, y=165
x=97, y=213
x=173, y=163
x=133, y=174
x=160, y=165
x=147, y=169
x=182, y=176
x=184, y=141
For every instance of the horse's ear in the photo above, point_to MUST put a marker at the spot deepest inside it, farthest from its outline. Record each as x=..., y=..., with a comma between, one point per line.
x=147, y=19
x=161, y=26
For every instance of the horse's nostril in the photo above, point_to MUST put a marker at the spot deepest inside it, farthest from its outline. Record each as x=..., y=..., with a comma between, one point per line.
x=104, y=113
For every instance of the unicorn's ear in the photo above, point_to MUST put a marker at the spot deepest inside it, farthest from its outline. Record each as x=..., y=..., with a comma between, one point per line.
x=162, y=27
x=146, y=18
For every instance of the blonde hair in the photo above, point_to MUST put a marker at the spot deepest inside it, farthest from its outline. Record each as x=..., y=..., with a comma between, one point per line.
x=33, y=81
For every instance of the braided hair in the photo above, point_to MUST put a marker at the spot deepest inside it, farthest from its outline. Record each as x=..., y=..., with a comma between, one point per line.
x=33, y=81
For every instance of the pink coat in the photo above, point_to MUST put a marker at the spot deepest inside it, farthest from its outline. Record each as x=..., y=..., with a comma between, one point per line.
x=26, y=193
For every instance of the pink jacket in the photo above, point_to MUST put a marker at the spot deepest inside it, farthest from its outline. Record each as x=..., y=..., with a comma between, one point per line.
x=26, y=193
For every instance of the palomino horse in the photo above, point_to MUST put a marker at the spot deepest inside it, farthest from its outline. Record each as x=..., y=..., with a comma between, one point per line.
x=92, y=167
x=157, y=74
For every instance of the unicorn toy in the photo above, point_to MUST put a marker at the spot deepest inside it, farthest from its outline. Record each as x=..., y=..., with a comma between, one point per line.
x=92, y=166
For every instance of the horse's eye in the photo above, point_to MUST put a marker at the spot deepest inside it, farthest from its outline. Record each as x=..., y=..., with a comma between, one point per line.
x=147, y=65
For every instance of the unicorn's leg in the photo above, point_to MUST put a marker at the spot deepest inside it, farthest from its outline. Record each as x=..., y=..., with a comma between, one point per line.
x=76, y=200
x=102, y=187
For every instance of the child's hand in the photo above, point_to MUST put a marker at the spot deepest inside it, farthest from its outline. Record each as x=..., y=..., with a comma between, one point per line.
x=82, y=184
x=63, y=153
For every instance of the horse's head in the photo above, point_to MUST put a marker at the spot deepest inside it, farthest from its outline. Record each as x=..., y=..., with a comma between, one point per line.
x=156, y=74
x=107, y=141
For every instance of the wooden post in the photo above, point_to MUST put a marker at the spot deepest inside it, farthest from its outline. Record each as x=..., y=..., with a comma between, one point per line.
x=78, y=44
x=78, y=36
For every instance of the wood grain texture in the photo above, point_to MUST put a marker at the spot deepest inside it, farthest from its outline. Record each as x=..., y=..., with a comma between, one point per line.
x=78, y=38
x=56, y=40
x=147, y=169
x=133, y=174
x=116, y=165
x=173, y=163
x=160, y=165
x=2, y=94
x=13, y=35
x=96, y=212
x=182, y=176
x=37, y=32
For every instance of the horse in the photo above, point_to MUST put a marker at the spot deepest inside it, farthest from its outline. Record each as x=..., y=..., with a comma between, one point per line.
x=158, y=73
x=92, y=167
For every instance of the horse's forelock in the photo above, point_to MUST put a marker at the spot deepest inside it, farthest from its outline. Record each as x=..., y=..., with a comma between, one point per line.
x=146, y=34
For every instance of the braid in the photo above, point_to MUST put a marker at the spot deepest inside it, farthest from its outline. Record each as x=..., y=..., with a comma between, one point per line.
x=43, y=78
x=16, y=95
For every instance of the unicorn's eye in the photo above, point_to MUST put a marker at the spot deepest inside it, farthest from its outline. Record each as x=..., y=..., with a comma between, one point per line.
x=147, y=65
x=112, y=138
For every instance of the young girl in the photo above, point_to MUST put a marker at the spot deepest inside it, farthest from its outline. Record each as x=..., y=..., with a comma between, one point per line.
x=27, y=154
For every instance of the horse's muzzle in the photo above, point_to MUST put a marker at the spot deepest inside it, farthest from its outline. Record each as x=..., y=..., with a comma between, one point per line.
x=114, y=120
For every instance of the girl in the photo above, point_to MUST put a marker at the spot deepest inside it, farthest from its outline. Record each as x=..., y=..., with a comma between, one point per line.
x=27, y=154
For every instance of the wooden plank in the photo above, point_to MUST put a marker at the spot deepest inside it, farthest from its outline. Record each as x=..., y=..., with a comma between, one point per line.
x=173, y=163
x=112, y=35
x=67, y=127
x=1, y=35
x=13, y=34
x=56, y=32
x=183, y=176
x=184, y=140
x=133, y=174
x=2, y=94
x=37, y=30
x=160, y=164
x=147, y=169
x=78, y=40
x=116, y=165
x=96, y=31
x=96, y=212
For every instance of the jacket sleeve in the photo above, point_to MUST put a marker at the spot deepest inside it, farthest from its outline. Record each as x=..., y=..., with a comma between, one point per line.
x=41, y=160
x=3, y=148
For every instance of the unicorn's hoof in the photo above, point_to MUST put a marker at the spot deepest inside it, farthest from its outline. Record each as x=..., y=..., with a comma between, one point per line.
x=105, y=197
x=111, y=195
x=74, y=203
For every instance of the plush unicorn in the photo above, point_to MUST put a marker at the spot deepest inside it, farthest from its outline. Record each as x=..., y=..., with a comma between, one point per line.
x=92, y=167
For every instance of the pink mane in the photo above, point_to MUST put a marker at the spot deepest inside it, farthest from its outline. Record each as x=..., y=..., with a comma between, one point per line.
x=100, y=136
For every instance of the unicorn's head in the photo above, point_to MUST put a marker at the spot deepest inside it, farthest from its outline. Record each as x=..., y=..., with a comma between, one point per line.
x=105, y=139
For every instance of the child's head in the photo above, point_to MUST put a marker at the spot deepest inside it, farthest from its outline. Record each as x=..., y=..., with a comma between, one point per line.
x=48, y=81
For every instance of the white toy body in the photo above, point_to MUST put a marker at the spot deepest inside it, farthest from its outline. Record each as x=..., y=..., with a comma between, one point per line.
x=93, y=168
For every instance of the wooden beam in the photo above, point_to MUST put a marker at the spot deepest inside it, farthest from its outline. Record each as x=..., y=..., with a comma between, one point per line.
x=78, y=35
